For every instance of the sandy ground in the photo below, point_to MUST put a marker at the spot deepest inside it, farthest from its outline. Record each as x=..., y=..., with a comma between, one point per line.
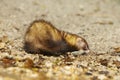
x=98, y=21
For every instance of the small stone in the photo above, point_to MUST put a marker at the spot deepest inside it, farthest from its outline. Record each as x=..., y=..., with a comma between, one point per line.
x=28, y=63
x=84, y=63
x=7, y=62
x=117, y=63
x=94, y=78
x=104, y=62
x=88, y=73
x=67, y=70
x=101, y=77
x=2, y=45
x=104, y=72
x=117, y=50
x=5, y=39
x=48, y=64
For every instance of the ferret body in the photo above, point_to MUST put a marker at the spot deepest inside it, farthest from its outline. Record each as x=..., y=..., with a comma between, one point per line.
x=43, y=37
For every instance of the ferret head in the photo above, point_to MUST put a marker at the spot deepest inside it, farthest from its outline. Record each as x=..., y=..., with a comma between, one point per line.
x=82, y=44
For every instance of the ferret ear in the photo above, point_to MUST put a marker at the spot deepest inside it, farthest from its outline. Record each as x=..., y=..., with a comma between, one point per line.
x=82, y=44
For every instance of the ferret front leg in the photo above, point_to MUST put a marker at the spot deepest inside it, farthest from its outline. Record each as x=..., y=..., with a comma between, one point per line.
x=81, y=52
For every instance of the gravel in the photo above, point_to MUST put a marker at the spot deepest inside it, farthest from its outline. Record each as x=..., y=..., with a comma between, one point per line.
x=96, y=20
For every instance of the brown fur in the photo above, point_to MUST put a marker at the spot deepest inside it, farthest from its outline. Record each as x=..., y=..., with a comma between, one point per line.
x=43, y=37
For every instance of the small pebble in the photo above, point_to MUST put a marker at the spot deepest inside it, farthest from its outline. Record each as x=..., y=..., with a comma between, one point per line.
x=2, y=45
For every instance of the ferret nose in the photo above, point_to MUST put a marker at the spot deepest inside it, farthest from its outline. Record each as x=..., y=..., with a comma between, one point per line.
x=85, y=51
x=86, y=47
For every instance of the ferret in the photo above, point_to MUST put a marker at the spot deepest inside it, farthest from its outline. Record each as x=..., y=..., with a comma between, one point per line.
x=42, y=37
